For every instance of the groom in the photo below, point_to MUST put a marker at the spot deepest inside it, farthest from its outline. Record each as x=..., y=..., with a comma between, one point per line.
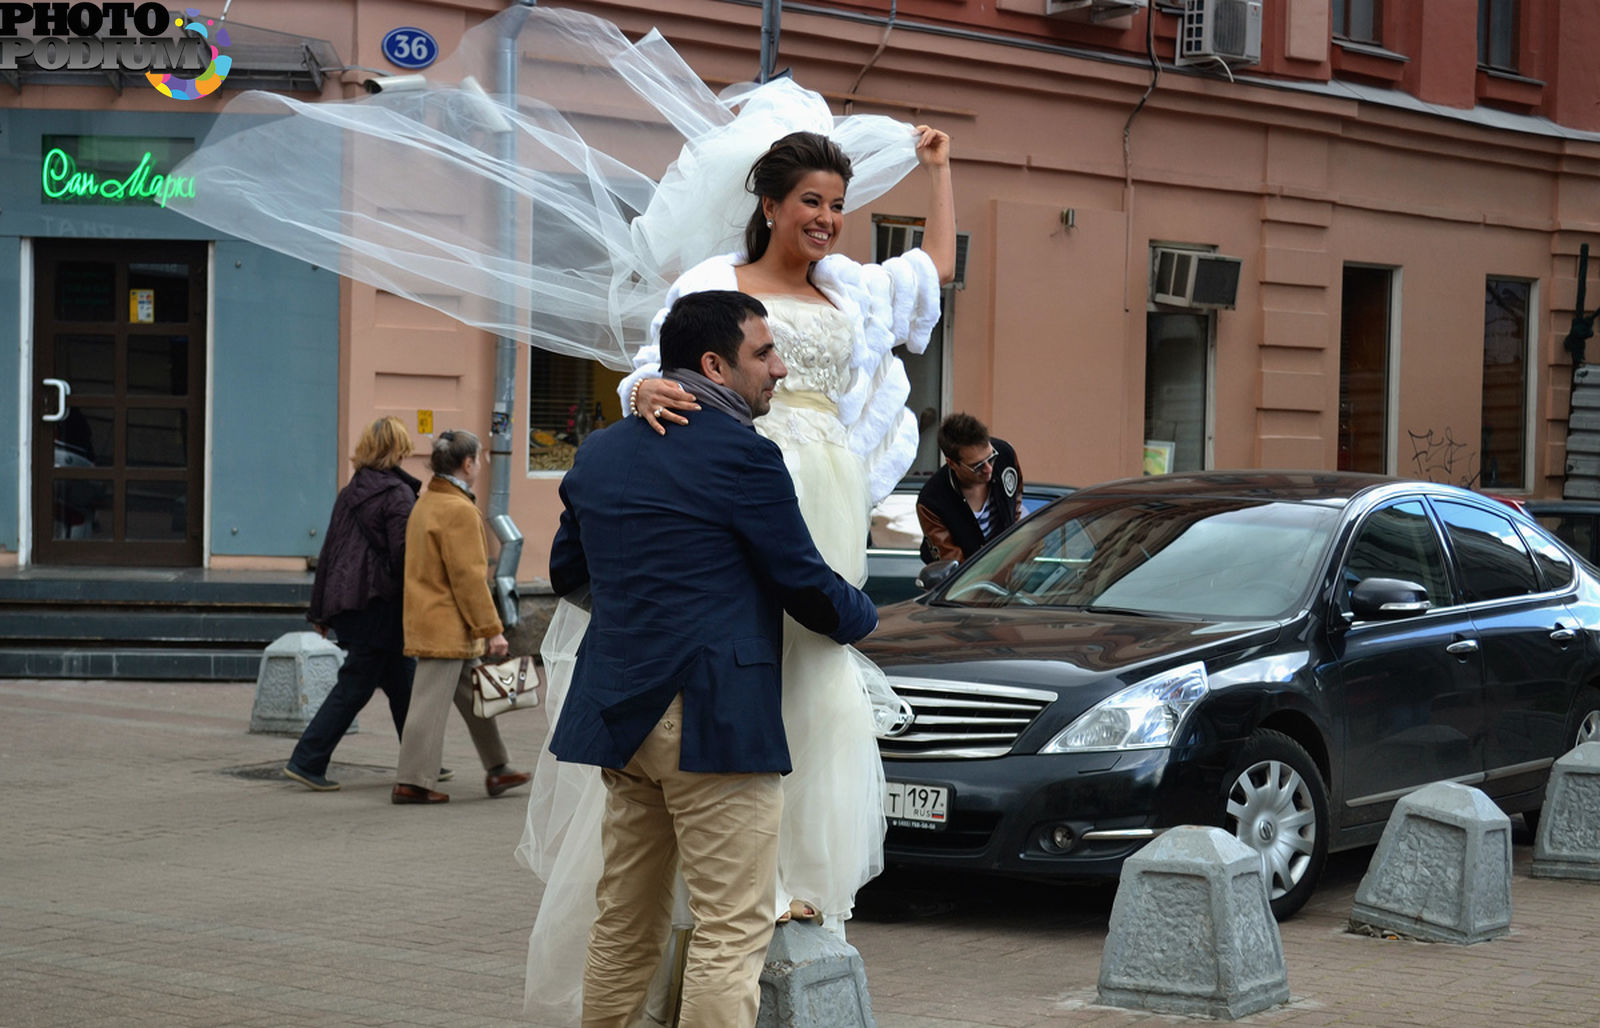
x=692, y=546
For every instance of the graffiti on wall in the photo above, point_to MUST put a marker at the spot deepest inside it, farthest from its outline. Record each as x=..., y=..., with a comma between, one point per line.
x=1437, y=457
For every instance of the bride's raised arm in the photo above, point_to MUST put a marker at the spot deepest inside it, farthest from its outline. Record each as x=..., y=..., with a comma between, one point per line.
x=939, y=232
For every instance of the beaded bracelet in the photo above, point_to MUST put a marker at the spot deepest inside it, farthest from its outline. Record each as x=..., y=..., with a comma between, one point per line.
x=633, y=398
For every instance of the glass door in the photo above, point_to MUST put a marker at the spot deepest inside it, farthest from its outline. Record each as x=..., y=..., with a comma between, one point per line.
x=119, y=353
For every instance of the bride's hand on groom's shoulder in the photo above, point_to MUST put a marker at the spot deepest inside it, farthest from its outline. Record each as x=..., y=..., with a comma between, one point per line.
x=659, y=401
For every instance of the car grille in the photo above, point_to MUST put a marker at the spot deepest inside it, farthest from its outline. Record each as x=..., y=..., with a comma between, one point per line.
x=961, y=720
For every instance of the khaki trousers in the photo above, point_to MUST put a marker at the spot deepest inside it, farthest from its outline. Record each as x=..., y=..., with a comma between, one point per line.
x=435, y=685
x=725, y=829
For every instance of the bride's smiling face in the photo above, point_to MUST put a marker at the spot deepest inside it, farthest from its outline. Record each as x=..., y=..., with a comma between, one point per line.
x=807, y=221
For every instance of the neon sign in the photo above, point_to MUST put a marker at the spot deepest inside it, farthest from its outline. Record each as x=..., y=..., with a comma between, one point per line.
x=65, y=182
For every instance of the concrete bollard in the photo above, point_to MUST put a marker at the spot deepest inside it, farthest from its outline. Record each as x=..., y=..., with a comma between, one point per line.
x=1192, y=931
x=1442, y=872
x=813, y=979
x=1567, y=844
x=297, y=670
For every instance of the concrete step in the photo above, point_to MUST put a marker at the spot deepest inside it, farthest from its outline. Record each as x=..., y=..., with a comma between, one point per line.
x=193, y=664
x=144, y=626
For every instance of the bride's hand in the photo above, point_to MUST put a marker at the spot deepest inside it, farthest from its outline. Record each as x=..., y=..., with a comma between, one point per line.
x=933, y=147
x=659, y=400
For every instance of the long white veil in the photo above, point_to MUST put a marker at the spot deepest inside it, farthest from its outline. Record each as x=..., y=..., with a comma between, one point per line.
x=557, y=216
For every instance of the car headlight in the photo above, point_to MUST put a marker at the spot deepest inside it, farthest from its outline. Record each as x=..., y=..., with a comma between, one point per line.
x=1143, y=716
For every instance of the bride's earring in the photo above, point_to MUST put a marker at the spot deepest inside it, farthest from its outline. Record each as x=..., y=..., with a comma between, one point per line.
x=769, y=222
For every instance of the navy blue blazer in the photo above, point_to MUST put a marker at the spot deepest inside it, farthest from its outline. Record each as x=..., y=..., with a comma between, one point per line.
x=692, y=546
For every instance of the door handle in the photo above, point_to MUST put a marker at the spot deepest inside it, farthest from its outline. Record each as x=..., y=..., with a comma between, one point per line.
x=1462, y=648
x=1562, y=635
x=62, y=392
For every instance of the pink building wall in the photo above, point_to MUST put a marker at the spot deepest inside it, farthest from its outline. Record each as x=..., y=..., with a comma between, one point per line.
x=1049, y=332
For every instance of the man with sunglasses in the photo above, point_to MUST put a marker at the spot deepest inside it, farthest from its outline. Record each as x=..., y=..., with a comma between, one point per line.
x=974, y=497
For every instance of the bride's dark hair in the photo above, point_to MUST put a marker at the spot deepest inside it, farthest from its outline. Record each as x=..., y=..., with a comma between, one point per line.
x=779, y=170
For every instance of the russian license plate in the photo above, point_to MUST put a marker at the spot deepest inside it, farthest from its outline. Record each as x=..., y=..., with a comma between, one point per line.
x=917, y=806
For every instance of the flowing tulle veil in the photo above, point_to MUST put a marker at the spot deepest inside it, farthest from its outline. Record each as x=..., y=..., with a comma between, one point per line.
x=557, y=216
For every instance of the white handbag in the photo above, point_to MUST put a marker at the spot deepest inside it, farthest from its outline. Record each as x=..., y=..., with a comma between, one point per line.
x=511, y=684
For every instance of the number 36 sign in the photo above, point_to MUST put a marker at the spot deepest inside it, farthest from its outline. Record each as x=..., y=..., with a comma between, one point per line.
x=409, y=48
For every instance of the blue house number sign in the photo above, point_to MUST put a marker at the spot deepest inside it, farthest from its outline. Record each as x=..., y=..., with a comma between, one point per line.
x=410, y=48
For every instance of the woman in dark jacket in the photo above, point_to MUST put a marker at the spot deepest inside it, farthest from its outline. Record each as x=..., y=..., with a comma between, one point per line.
x=357, y=593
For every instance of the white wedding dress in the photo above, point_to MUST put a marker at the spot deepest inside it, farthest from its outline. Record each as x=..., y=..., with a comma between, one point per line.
x=831, y=840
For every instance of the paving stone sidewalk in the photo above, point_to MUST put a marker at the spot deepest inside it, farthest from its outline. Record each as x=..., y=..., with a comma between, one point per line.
x=156, y=870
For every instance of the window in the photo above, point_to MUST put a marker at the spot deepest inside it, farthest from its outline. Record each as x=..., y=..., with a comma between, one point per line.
x=1177, y=380
x=567, y=399
x=1493, y=561
x=1554, y=566
x=1576, y=530
x=891, y=237
x=1360, y=21
x=1364, y=359
x=1505, y=383
x=1498, y=38
x=1399, y=542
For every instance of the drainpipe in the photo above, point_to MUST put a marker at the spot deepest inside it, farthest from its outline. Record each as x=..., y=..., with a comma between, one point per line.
x=502, y=419
x=771, y=19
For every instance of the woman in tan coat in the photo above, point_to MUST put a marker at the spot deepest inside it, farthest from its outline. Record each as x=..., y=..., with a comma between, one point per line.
x=449, y=613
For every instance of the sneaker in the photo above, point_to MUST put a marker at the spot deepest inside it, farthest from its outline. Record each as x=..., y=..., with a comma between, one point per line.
x=316, y=783
x=445, y=774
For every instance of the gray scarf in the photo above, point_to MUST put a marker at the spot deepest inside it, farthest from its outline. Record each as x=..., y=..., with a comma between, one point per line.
x=459, y=484
x=708, y=394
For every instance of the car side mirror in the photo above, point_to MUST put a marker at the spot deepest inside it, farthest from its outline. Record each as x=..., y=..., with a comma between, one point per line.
x=1386, y=599
x=935, y=573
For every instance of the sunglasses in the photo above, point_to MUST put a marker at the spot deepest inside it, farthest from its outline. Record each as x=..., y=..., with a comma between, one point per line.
x=979, y=465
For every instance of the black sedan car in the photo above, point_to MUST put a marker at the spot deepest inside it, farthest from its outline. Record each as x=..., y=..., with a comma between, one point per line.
x=1282, y=654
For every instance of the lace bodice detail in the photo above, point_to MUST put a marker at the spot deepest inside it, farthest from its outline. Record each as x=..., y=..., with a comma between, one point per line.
x=816, y=340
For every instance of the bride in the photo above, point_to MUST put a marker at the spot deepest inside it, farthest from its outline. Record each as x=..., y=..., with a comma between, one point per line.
x=840, y=420
x=509, y=220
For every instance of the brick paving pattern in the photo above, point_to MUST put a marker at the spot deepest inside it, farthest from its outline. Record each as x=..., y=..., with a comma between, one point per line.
x=154, y=870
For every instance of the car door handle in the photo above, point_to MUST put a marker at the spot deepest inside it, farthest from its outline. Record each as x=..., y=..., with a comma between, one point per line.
x=1562, y=635
x=1462, y=648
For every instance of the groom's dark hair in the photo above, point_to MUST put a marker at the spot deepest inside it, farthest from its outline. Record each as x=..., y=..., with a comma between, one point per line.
x=710, y=321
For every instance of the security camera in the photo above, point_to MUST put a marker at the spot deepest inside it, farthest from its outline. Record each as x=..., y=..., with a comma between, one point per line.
x=395, y=83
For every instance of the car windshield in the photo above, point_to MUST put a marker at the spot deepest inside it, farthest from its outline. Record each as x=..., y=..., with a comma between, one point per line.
x=1210, y=558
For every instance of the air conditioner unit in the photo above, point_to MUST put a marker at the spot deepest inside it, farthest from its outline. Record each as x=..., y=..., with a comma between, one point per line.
x=1194, y=278
x=1093, y=10
x=1225, y=30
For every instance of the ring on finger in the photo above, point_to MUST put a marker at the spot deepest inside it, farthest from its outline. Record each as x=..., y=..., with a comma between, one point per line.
x=660, y=411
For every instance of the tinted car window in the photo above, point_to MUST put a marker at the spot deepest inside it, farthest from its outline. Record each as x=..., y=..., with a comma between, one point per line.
x=1493, y=561
x=1554, y=565
x=1186, y=556
x=1399, y=542
x=1577, y=531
